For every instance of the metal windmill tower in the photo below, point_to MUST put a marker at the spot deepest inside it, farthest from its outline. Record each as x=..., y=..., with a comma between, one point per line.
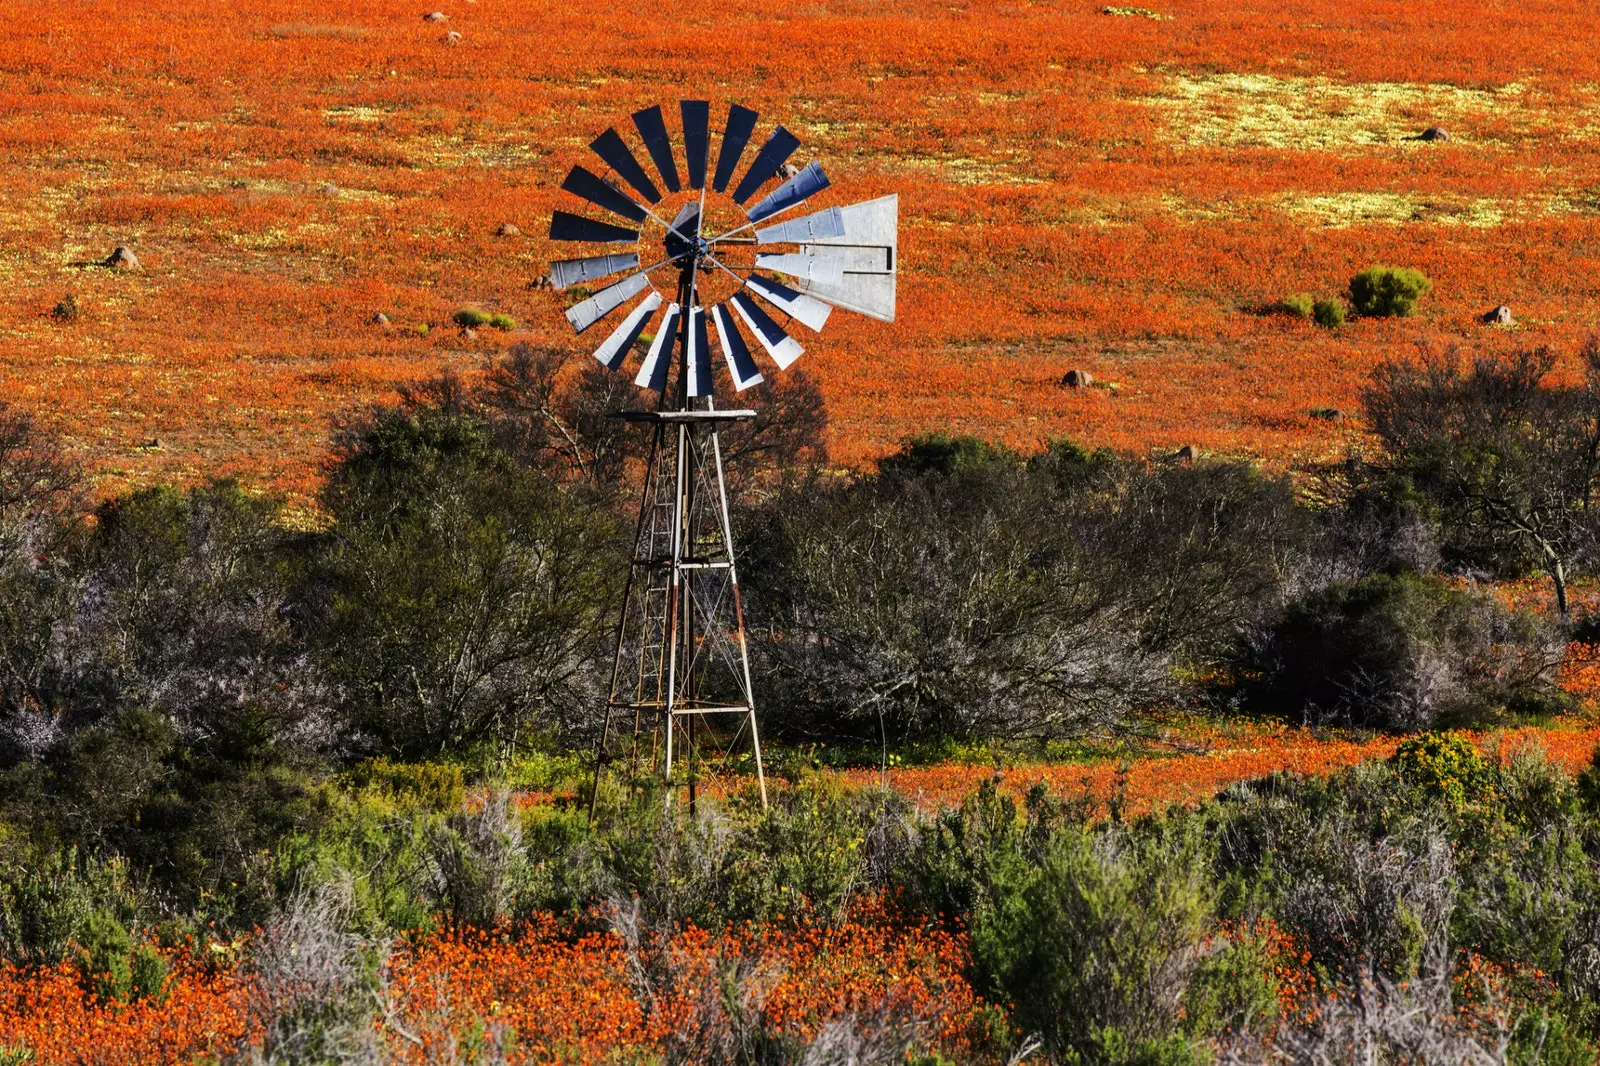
x=681, y=675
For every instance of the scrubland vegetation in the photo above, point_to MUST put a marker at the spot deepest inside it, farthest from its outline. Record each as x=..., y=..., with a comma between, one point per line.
x=282, y=794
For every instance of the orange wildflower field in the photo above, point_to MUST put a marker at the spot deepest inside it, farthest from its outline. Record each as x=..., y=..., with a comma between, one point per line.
x=1124, y=193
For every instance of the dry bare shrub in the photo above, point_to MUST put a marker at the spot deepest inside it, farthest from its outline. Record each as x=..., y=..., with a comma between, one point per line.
x=474, y=859
x=313, y=991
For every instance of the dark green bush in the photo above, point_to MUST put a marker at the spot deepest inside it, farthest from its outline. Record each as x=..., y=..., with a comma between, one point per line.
x=1329, y=313
x=1397, y=652
x=1386, y=292
x=471, y=318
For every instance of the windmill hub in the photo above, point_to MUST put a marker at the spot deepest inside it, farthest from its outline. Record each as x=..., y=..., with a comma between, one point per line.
x=681, y=664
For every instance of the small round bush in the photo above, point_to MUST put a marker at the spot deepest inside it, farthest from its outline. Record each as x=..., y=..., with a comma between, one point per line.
x=472, y=318
x=1446, y=765
x=1329, y=313
x=1387, y=292
x=503, y=322
x=1297, y=305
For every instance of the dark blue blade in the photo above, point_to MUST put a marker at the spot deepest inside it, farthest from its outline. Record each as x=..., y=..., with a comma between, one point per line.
x=653, y=128
x=696, y=138
x=609, y=146
x=779, y=147
x=700, y=361
x=741, y=123
x=797, y=189
x=763, y=322
x=570, y=227
x=582, y=183
x=740, y=362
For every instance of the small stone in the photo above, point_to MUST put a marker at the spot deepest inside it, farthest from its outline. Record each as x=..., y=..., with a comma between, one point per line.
x=1328, y=414
x=1077, y=379
x=542, y=282
x=1434, y=133
x=1500, y=316
x=1188, y=453
x=379, y=319
x=507, y=229
x=452, y=37
x=469, y=334
x=151, y=444
x=122, y=259
x=436, y=16
x=328, y=188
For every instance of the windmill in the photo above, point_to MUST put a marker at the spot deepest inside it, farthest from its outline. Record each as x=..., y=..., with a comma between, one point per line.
x=681, y=665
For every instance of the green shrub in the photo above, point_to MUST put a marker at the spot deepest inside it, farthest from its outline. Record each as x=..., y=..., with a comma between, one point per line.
x=502, y=322
x=1297, y=305
x=1329, y=313
x=1097, y=948
x=471, y=317
x=1446, y=765
x=1387, y=292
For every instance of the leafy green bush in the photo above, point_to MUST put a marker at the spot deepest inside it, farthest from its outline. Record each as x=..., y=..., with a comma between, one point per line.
x=1329, y=313
x=1097, y=948
x=502, y=322
x=1387, y=292
x=471, y=318
x=1297, y=305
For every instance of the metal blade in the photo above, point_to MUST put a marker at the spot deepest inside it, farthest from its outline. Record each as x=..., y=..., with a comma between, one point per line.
x=779, y=147
x=802, y=186
x=740, y=365
x=565, y=273
x=699, y=360
x=653, y=372
x=607, y=300
x=622, y=339
x=582, y=183
x=797, y=305
x=610, y=147
x=653, y=130
x=870, y=253
x=687, y=223
x=780, y=347
x=565, y=226
x=741, y=123
x=826, y=223
x=806, y=265
x=696, y=138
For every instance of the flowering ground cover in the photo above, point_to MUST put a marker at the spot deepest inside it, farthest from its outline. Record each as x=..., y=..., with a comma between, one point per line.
x=1116, y=192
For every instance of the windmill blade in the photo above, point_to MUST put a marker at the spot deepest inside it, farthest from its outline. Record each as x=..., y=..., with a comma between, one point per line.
x=826, y=223
x=699, y=361
x=779, y=147
x=594, y=189
x=802, y=186
x=610, y=147
x=607, y=300
x=616, y=347
x=687, y=222
x=740, y=365
x=780, y=347
x=653, y=131
x=565, y=273
x=797, y=305
x=653, y=372
x=806, y=265
x=696, y=138
x=869, y=248
x=565, y=226
x=735, y=135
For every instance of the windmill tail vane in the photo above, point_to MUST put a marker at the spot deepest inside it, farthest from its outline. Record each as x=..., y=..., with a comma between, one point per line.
x=681, y=671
